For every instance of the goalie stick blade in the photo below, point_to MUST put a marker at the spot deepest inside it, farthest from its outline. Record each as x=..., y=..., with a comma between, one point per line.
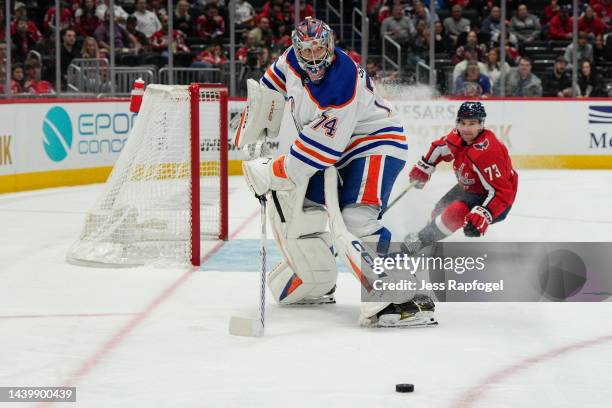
x=244, y=326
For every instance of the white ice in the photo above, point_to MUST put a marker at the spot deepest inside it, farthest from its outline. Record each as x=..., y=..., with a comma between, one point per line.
x=151, y=337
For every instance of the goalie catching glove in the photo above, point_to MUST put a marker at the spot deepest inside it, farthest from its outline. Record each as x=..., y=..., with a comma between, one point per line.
x=264, y=174
x=421, y=173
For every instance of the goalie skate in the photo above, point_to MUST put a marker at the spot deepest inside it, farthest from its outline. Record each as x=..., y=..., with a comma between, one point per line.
x=418, y=312
x=326, y=299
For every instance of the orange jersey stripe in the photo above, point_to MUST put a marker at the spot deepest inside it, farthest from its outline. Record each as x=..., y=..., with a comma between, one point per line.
x=370, y=191
x=383, y=136
x=313, y=153
x=276, y=79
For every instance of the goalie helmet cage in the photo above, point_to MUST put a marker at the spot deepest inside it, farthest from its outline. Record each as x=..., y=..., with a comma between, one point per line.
x=168, y=190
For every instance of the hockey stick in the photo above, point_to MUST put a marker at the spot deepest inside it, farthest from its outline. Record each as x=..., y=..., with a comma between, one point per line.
x=399, y=197
x=244, y=326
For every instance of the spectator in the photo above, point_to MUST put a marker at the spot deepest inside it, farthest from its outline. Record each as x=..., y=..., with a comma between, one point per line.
x=22, y=39
x=525, y=25
x=560, y=26
x=210, y=25
x=471, y=42
x=443, y=43
x=419, y=12
x=421, y=42
x=211, y=57
x=551, y=10
x=274, y=12
x=86, y=20
x=155, y=7
x=482, y=38
x=469, y=54
x=591, y=23
x=249, y=44
x=398, y=26
x=245, y=13
x=602, y=53
x=372, y=70
x=494, y=67
x=148, y=23
x=66, y=17
x=585, y=50
x=589, y=83
x=252, y=69
x=472, y=83
x=492, y=24
x=262, y=33
x=120, y=14
x=182, y=18
x=521, y=81
x=33, y=82
x=131, y=27
x=123, y=40
x=20, y=12
x=512, y=53
x=90, y=48
x=558, y=82
x=282, y=39
x=456, y=24
x=68, y=51
x=603, y=8
x=306, y=10
x=386, y=10
x=159, y=40
x=17, y=79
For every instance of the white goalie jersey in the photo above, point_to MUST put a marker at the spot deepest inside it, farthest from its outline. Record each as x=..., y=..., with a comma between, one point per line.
x=338, y=120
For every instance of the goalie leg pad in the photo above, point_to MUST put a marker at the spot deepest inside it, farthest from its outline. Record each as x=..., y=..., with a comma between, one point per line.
x=362, y=221
x=308, y=269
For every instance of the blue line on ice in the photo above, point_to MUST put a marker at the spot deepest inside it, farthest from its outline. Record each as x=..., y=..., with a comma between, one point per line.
x=243, y=255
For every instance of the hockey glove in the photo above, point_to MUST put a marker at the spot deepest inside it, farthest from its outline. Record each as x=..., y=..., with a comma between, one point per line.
x=264, y=174
x=477, y=222
x=421, y=173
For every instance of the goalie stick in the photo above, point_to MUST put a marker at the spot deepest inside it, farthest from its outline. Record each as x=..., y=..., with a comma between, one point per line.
x=244, y=326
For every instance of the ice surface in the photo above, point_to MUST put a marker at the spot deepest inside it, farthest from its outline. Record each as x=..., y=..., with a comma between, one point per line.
x=155, y=337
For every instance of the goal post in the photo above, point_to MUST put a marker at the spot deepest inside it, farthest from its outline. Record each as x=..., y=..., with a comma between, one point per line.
x=168, y=190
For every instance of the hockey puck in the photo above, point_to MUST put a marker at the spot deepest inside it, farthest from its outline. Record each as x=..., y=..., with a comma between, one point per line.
x=404, y=387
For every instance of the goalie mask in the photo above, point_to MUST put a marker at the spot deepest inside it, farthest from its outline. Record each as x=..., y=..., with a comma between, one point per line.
x=313, y=43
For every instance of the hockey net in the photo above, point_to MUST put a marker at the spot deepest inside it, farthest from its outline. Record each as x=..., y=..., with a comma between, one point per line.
x=168, y=189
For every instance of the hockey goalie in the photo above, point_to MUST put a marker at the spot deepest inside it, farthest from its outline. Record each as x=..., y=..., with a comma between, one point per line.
x=348, y=148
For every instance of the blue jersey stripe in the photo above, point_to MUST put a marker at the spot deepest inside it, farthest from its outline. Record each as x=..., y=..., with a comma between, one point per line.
x=267, y=83
x=305, y=159
x=319, y=146
x=362, y=149
x=279, y=73
x=388, y=129
x=383, y=130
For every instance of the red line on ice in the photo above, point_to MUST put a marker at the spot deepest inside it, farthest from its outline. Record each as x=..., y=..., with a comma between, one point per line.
x=44, y=316
x=133, y=323
x=472, y=395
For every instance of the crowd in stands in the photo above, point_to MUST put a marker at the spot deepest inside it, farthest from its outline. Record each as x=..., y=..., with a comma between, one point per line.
x=538, y=53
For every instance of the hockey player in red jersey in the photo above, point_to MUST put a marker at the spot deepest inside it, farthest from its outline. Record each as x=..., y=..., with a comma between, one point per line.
x=486, y=187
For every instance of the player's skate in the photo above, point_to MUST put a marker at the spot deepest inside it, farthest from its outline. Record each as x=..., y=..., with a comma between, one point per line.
x=412, y=244
x=417, y=312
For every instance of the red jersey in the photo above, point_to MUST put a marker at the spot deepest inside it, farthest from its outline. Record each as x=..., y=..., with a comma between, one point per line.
x=483, y=167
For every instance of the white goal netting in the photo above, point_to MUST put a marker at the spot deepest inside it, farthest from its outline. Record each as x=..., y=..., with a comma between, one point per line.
x=145, y=212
